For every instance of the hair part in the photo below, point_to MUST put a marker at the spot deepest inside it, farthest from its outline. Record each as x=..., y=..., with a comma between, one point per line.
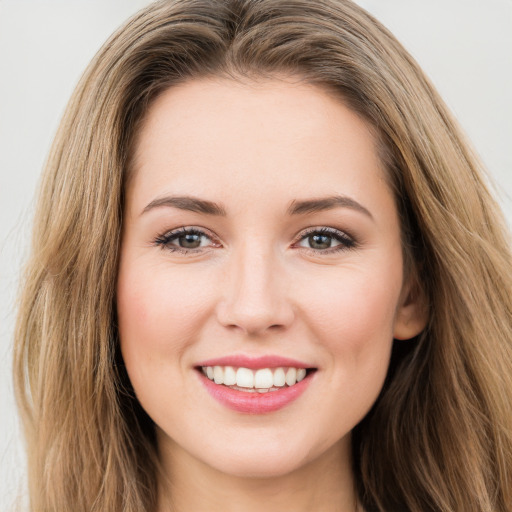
x=439, y=438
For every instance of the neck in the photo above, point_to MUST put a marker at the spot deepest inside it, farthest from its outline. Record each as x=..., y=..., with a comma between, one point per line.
x=325, y=484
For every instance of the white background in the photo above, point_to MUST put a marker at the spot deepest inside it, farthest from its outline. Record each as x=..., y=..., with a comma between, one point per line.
x=465, y=46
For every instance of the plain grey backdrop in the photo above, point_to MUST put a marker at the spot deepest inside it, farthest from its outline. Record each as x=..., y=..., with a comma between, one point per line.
x=464, y=46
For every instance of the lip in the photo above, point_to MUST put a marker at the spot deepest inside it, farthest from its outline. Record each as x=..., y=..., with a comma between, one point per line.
x=254, y=363
x=255, y=403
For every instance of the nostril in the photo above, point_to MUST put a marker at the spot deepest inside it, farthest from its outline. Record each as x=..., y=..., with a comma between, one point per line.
x=255, y=308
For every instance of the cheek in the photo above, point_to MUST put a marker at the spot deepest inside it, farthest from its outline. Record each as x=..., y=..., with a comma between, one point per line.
x=159, y=313
x=359, y=306
x=352, y=321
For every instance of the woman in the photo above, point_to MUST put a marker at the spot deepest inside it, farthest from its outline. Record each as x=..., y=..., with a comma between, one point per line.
x=266, y=270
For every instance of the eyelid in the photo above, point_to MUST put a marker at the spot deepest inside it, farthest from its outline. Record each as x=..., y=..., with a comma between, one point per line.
x=164, y=240
x=347, y=241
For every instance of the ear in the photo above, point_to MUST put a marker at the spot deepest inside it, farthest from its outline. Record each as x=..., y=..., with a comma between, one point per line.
x=412, y=312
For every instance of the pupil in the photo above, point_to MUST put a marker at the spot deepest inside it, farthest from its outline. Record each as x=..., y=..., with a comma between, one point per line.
x=320, y=241
x=190, y=241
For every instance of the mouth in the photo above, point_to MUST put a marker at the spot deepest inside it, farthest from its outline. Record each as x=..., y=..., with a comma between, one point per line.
x=262, y=380
x=255, y=389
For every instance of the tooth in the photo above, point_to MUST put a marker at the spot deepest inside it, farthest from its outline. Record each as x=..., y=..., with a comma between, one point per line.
x=291, y=376
x=218, y=375
x=279, y=378
x=262, y=390
x=263, y=378
x=244, y=378
x=229, y=376
x=301, y=373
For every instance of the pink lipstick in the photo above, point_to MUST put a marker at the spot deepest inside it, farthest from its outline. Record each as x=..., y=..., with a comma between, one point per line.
x=253, y=401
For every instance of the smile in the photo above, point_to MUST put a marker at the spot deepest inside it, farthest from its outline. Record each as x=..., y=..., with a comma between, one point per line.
x=255, y=385
x=254, y=381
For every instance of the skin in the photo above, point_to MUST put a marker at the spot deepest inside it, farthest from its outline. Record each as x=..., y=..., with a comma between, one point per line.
x=258, y=285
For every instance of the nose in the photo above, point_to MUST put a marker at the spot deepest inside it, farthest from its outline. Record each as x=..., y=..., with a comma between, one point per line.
x=254, y=298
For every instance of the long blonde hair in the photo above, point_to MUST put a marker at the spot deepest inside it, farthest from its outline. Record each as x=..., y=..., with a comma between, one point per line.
x=439, y=438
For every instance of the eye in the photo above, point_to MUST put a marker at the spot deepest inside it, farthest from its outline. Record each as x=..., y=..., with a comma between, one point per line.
x=326, y=240
x=185, y=240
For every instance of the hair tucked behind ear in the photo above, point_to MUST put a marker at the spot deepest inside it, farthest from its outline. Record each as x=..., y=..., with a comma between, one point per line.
x=439, y=437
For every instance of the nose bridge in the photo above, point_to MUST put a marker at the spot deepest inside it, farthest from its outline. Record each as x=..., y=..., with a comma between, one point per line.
x=255, y=290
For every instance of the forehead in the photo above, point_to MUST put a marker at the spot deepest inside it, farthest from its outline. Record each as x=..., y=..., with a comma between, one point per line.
x=249, y=102
x=214, y=132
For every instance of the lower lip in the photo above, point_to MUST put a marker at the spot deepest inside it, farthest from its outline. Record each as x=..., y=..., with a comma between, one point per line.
x=255, y=403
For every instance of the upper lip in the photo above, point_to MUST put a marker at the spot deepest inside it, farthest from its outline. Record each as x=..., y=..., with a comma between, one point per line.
x=243, y=361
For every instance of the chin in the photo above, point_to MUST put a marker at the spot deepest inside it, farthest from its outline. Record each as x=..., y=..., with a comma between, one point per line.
x=262, y=459
x=257, y=467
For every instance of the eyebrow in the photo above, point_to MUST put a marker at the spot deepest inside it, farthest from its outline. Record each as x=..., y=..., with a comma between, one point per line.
x=192, y=204
x=296, y=207
x=326, y=203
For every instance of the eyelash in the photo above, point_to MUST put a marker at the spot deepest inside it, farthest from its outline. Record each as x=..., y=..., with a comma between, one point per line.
x=346, y=242
x=164, y=240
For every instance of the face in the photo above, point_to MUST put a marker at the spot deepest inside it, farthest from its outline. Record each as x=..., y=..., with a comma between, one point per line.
x=261, y=242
